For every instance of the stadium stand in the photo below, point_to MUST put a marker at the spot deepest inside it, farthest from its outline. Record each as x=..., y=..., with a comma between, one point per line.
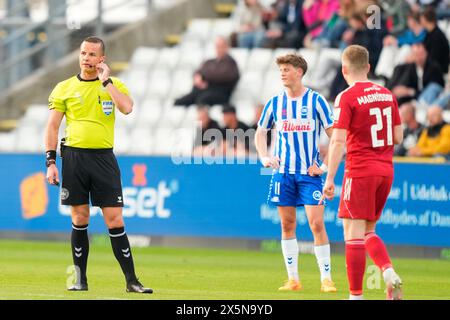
x=156, y=76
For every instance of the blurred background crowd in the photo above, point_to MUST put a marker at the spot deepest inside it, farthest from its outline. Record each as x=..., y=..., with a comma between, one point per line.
x=219, y=72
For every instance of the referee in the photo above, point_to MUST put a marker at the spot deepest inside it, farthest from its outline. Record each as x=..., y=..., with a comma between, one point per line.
x=89, y=167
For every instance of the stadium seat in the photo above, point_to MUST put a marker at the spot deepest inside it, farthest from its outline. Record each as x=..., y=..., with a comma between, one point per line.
x=278, y=53
x=30, y=139
x=215, y=113
x=7, y=141
x=121, y=140
x=222, y=27
x=190, y=43
x=163, y=4
x=172, y=117
x=241, y=56
x=168, y=57
x=181, y=83
x=210, y=50
x=249, y=86
x=190, y=117
x=272, y=85
x=119, y=11
x=190, y=58
x=142, y=141
x=199, y=29
x=150, y=113
x=159, y=83
x=36, y=114
x=164, y=138
x=259, y=59
x=245, y=111
x=144, y=57
x=421, y=115
x=446, y=116
x=137, y=80
x=311, y=55
x=128, y=120
x=183, y=142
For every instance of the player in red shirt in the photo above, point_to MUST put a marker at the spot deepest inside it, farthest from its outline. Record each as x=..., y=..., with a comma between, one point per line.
x=367, y=122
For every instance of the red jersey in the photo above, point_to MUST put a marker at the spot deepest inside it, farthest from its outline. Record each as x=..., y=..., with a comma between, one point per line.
x=369, y=112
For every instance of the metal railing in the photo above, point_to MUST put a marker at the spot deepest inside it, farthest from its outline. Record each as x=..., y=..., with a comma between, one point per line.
x=29, y=45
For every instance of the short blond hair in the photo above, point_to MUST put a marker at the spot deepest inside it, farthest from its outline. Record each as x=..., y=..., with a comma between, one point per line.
x=356, y=58
x=295, y=60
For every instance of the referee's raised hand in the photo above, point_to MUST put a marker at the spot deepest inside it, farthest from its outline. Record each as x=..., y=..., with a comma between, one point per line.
x=103, y=71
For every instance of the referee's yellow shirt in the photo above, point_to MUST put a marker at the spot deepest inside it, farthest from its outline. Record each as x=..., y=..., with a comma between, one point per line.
x=89, y=111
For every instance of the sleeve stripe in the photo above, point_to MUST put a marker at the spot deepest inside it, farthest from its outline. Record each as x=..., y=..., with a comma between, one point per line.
x=267, y=116
x=324, y=112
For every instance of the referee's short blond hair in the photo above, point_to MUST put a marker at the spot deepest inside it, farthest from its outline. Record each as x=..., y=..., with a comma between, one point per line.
x=295, y=60
x=356, y=58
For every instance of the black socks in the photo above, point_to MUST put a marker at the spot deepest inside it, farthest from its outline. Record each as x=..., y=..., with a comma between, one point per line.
x=122, y=251
x=80, y=250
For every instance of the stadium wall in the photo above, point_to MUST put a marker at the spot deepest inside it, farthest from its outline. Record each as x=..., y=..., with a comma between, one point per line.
x=120, y=46
x=219, y=204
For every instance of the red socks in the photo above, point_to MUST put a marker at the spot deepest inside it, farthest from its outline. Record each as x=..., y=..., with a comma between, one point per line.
x=377, y=251
x=355, y=256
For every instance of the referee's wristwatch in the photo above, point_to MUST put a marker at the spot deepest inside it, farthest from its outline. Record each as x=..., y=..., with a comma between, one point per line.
x=50, y=158
x=106, y=82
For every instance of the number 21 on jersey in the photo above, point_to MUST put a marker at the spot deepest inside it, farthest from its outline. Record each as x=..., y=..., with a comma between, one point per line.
x=378, y=126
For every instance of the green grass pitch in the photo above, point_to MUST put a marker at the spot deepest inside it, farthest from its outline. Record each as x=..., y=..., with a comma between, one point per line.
x=37, y=270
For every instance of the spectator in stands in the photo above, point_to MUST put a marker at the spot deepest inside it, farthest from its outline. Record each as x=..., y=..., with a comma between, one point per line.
x=435, y=40
x=330, y=60
x=443, y=10
x=317, y=14
x=249, y=26
x=236, y=134
x=287, y=28
x=435, y=139
x=412, y=129
x=215, y=80
x=397, y=50
x=418, y=5
x=414, y=34
x=208, y=134
x=410, y=79
x=443, y=100
x=359, y=34
x=335, y=27
x=395, y=12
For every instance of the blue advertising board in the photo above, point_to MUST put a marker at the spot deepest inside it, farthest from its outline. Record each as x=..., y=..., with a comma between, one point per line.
x=211, y=200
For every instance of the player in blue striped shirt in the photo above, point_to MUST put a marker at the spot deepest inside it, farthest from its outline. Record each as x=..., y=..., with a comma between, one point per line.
x=299, y=115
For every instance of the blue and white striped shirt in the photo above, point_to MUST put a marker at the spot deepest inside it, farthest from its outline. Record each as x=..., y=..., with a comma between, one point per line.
x=298, y=122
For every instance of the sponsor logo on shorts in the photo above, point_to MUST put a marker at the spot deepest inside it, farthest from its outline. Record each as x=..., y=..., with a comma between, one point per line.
x=317, y=195
x=275, y=199
x=64, y=194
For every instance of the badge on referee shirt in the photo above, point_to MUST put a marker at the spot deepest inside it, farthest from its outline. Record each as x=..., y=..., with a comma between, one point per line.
x=107, y=107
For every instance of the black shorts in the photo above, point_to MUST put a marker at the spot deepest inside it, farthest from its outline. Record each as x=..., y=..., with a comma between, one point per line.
x=93, y=172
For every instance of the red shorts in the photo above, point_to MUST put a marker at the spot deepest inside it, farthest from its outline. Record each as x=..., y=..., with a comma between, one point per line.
x=364, y=197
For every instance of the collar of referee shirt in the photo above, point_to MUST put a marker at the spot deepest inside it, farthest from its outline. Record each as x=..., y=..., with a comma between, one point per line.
x=81, y=79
